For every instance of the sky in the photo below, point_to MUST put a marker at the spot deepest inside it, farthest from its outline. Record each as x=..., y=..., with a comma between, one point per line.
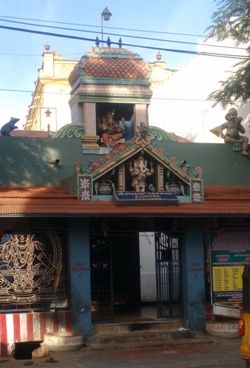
x=181, y=104
x=21, y=52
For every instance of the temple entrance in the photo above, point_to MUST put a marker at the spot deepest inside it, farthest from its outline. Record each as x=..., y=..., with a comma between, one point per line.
x=135, y=276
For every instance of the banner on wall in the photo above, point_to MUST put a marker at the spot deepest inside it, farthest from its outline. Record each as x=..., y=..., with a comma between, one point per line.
x=230, y=251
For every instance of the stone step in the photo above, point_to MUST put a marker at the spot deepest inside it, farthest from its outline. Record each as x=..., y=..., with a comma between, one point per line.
x=116, y=328
x=141, y=336
x=129, y=335
x=151, y=338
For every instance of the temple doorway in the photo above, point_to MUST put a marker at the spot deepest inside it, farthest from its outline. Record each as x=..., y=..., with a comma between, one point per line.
x=135, y=275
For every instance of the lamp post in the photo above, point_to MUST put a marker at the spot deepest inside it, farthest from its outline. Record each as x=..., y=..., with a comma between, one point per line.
x=48, y=118
x=105, y=16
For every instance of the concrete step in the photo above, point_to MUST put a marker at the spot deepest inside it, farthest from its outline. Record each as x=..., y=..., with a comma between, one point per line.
x=159, y=325
x=145, y=340
x=141, y=334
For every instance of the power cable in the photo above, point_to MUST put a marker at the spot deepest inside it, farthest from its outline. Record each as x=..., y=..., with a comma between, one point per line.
x=36, y=55
x=108, y=27
x=125, y=35
x=152, y=98
x=231, y=56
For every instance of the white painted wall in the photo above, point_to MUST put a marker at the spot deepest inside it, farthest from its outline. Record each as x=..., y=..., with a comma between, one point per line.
x=180, y=104
x=147, y=267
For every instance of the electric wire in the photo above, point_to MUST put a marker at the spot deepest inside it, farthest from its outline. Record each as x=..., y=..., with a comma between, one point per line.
x=95, y=26
x=190, y=52
x=125, y=35
x=152, y=98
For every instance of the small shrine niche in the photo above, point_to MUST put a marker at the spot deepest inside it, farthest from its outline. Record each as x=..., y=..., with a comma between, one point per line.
x=141, y=173
x=107, y=185
x=114, y=123
x=173, y=184
x=110, y=96
x=139, y=170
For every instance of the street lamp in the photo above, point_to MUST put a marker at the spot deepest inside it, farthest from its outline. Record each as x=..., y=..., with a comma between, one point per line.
x=105, y=16
x=48, y=118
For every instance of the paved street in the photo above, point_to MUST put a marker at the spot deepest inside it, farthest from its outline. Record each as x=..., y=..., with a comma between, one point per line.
x=218, y=353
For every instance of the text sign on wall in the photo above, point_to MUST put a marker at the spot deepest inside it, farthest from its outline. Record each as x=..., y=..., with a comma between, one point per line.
x=230, y=251
x=228, y=278
x=155, y=197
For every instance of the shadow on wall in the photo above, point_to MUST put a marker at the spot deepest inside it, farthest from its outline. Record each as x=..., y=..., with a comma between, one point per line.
x=37, y=161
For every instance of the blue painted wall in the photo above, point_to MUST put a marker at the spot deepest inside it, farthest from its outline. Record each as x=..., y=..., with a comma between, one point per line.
x=193, y=277
x=79, y=263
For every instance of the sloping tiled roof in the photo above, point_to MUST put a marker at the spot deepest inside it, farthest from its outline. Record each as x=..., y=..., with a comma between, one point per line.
x=110, y=63
x=115, y=68
x=57, y=201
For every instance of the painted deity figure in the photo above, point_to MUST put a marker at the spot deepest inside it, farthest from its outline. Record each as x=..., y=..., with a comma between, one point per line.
x=233, y=129
x=139, y=172
x=112, y=131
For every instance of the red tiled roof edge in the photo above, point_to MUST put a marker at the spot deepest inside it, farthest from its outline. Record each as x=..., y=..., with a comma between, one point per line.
x=57, y=201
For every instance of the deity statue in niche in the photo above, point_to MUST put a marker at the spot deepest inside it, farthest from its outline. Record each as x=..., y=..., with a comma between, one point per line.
x=139, y=173
x=111, y=131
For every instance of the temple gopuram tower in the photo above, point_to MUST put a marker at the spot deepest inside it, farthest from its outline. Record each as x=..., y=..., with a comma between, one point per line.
x=109, y=97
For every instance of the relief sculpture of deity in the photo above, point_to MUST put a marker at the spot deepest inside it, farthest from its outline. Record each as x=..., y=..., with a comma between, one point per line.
x=139, y=172
x=27, y=268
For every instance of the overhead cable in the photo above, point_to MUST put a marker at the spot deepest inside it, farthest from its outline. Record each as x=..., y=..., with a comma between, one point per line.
x=125, y=35
x=153, y=98
x=231, y=56
x=95, y=26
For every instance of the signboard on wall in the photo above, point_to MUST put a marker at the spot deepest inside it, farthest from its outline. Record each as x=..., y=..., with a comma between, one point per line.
x=230, y=251
x=146, y=197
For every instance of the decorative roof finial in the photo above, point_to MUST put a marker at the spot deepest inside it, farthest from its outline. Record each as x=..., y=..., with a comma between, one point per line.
x=97, y=42
x=47, y=47
x=108, y=42
x=158, y=56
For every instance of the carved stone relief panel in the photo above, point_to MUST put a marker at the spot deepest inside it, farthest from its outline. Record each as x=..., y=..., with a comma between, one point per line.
x=30, y=267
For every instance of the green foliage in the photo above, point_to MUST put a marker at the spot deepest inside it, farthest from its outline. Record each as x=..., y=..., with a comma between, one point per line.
x=232, y=20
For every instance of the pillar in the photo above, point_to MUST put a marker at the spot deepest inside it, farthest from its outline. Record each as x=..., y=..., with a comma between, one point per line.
x=141, y=115
x=193, y=274
x=89, y=118
x=89, y=123
x=79, y=268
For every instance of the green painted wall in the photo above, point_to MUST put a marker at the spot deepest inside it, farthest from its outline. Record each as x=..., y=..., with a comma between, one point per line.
x=221, y=165
x=25, y=161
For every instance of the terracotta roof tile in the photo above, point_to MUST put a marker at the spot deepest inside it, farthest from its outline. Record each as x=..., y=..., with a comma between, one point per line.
x=115, y=68
x=57, y=201
x=108, y=62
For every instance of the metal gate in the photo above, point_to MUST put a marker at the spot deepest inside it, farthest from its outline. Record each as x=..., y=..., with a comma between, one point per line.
x=105, y=292
x=114, y=274
x=167, y=258
x=101, y=279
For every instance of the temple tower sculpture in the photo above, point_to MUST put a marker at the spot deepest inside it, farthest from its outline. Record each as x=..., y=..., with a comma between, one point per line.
x=110, y=94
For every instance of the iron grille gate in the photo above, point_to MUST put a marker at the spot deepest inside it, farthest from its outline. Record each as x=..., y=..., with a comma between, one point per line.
x=167, y=258
x=167, y=265
x=101, y=280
